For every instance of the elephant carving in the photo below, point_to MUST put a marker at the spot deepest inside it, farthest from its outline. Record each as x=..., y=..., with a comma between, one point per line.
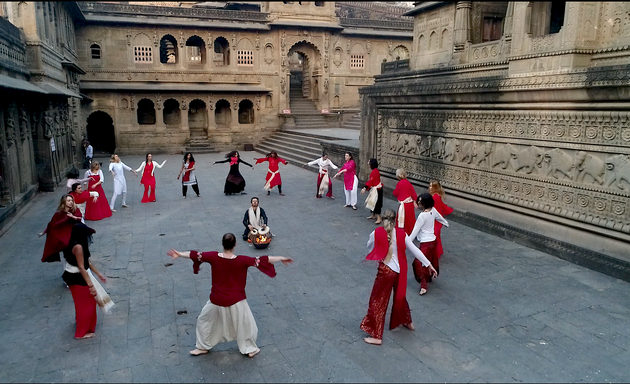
x=558, y=162
x=468, y=152
x=482, y=152
x=410, y=144
x=450, y=150
x=503, y=154
x=424, y=146
x=619, y=170
x=528, y=159
x=593, y=166
x=393, y=141
x=437, y=148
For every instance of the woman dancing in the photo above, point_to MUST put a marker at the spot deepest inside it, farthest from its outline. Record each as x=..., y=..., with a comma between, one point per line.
x=438, y=194
x=323, y=180
x=376, y=188
x=227, y=316
x=273, y=173
x=406, y=195
x=65, y=233
x=388, y=244
x=117, y=168
x=99, y=209
x=188, y=167
x=234, y=182
x=148, y=179
x=350, y=181
x=423, y=230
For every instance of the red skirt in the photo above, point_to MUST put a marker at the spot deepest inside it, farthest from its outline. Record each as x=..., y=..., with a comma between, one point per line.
x=374, y=322
x=423, y=274
x=99, y=210
x=85, y=309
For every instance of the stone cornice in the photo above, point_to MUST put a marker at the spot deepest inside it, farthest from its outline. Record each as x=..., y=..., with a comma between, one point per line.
x=381, y=24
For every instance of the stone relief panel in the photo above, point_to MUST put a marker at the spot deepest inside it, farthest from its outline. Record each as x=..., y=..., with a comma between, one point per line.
x=567, y=163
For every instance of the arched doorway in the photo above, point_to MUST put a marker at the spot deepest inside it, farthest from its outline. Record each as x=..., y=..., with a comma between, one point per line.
x=304, y=64
x=100, y=132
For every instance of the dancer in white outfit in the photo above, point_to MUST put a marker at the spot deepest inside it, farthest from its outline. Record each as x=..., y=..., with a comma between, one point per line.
x=117, y=168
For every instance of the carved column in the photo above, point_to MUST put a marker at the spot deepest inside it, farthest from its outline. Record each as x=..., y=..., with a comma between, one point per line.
x=462, y=25
x=184, y=116
x=507, y=28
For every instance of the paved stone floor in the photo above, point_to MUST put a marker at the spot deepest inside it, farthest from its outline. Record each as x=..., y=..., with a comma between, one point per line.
x=498, y=312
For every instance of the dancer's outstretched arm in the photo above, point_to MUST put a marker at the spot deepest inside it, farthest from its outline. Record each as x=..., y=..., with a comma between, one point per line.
x=175, y=254
x=285, y=260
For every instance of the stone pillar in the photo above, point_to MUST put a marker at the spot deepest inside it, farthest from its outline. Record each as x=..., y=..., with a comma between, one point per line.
x=212, y=124
x=507, y=28
x=184, y=116
x=159, y=117
x=462, y=25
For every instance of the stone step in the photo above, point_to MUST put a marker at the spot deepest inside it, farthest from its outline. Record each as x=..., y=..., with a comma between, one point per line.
x=297, y=157
x=292, y=143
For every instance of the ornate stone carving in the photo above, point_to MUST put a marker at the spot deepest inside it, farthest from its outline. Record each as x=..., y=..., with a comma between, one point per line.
x=158, y=101
x=558, y=163
x=10, y=128
x=325, y=86
x=235, y=102
x=283, y=85
x=589, y=165
x=184, y=105
x=619, y=167
x=23, y=123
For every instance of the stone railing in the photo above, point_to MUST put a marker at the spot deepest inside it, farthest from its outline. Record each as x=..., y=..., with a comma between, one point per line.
x=197, y=13
x=383, y=24
x=12, y=48
x=488, y=51
x=373, y=6
x=394, y=66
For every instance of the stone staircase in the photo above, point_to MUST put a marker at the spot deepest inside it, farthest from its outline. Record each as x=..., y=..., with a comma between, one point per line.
x=198, y=142
x=353, y=123
x=305, y=111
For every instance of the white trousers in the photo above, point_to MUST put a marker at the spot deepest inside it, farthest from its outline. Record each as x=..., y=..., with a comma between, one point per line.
x=112, y=201
x=217, y=324
x=351, y=195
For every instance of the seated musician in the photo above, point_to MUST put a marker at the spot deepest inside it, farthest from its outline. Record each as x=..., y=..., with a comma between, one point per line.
x=254, y=219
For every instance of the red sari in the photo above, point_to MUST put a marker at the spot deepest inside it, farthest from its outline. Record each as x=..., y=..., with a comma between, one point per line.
x=58, y=234
x=444, y=210
x=405, y=191
x=148, y=179
x=273, y=171
x=100, y=209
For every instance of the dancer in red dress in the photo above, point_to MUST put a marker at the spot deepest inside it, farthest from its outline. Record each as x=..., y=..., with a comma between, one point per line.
x=437, y=192
x=148, y=179
x=99, y=209
x=273, y=173
x=406, y=195
x=388, y=245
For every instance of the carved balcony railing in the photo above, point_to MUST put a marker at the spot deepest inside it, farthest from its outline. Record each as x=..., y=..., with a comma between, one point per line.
x=150, y=10
x=395, y=66
x=381, y=24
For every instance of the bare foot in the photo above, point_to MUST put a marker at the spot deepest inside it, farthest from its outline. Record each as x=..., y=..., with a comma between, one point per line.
x=422, y=291
x=252, y=354
x=371, y=340
x=409, y=326
x=86, y=336
x=377, y=222
x=370, y=217
x=197, y=352
x=113, y=211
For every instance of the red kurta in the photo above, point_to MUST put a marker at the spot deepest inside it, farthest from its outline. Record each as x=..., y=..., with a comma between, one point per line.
x=100, y=209
x=273, y=167
x=444, y=210
x=348, y=176
x=58, y=234
x=374, y=179
x=403, y=190
x=80, y=198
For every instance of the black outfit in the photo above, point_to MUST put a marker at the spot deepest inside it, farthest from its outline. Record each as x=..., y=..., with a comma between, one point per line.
x=195, y=188
x=246, y=221
x=234, y=183
x=81, y=234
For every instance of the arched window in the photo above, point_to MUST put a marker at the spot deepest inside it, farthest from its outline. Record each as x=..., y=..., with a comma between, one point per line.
x=95, y=52
x=168, y=50
x=146, y=112
x=171, y=112
x=246, y=112
x=268, y=101
x=400, y=53
x=221, y=51
x=196, y=50
x=222, y=113
x=197, y=115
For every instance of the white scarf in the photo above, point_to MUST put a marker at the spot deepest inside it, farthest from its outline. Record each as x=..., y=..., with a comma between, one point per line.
x=324, y=183
x=401, y=212
x=254, y=217
x=267, y=186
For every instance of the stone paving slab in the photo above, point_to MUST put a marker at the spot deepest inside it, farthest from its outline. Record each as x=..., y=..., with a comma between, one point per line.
x=499, y=312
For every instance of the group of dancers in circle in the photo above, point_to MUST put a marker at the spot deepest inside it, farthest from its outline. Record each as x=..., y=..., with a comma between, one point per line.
x=227, y=316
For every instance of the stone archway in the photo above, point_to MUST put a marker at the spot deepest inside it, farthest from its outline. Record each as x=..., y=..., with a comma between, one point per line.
x=304, y=60
x=100, y=132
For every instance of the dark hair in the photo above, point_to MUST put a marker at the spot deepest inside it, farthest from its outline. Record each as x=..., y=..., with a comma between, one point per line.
x=350, y=154
x=254, y=198
x=373, y=163
x=146, y=159
x=426, y=201
x=191, y=156
x=73, y=173
x=231, y=154
x=324, y=153
x=272, y=153
x=229, y=241
x=75, y=186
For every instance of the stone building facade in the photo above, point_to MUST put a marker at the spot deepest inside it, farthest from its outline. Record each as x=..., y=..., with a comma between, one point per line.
x=521, y=110
x=40, y=130
x=159, y=77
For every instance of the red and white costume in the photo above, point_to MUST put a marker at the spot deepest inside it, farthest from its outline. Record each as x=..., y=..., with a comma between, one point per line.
x=406, y=195
x=444, y=210
x=423, y=230
x=273, y=172
x=100, y=209
x=350, y=182
x=323, y=179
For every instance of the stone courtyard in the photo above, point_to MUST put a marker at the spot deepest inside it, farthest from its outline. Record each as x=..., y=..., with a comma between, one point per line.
x=499, y=312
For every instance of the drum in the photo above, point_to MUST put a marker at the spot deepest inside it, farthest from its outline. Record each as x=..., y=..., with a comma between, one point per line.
x=260, y=238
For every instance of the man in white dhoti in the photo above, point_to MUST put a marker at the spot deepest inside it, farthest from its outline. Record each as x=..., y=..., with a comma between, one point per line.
x=227, y=316
x=255, y=218
x=117, y=168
